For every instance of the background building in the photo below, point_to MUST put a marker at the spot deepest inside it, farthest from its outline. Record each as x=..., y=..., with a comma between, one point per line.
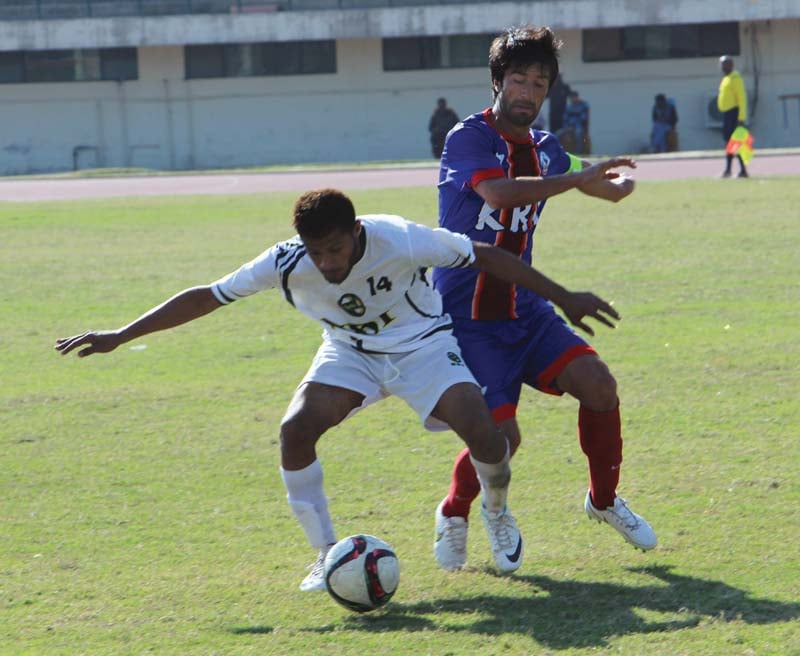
x=185, y=84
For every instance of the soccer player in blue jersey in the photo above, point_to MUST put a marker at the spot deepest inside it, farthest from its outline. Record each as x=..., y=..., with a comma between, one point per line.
x=497, y=173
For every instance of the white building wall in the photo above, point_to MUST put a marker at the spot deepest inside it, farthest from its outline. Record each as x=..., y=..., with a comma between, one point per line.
x=431, y=19
x=621, y=93
x=362, y=113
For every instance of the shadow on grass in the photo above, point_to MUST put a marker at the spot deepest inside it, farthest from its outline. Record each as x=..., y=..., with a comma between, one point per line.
x=246, y=630
x=570, y=614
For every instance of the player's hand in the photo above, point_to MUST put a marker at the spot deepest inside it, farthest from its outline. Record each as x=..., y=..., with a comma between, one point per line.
x=625, y=185
x=603, y=170
x=579, y=305
x=93, y=341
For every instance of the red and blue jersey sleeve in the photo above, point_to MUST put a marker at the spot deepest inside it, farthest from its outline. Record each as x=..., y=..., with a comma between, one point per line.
x=468, y=158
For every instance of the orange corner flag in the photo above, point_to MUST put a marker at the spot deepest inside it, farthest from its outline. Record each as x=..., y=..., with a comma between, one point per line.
x=741, y=144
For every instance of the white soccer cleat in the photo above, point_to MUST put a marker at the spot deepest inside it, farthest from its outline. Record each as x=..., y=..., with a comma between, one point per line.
x=315, y=579
x=450, y=543
x=504, y=539
x=631, y=526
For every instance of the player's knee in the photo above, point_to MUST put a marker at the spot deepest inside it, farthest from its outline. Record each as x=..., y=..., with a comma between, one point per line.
x=475, y=435
x=297, y=434
x=592, y=383
x=487, y=443
x=603, y=391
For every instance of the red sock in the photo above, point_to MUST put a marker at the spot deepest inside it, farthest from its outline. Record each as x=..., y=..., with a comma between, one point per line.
x=600, y=435
x=464, y=488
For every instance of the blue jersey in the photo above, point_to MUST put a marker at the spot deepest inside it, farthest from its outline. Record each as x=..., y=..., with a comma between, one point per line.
x=476, y=150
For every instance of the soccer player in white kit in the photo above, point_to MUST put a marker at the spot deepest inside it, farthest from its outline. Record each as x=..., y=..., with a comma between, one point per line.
x=365, y=280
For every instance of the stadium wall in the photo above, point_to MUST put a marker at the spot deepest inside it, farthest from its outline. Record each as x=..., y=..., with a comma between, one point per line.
x=362, y=113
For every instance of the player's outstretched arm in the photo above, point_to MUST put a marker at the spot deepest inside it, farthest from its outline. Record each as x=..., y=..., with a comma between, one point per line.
x=185, y=306
x=518, y=192
x=577, y=306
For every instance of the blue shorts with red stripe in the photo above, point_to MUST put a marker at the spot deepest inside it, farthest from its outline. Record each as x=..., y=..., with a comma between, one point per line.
x=503, y=355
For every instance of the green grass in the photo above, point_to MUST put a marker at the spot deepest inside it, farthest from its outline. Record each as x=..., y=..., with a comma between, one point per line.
x=141, y=507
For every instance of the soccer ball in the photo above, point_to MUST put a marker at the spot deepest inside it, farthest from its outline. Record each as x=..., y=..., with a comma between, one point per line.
x=361, y=572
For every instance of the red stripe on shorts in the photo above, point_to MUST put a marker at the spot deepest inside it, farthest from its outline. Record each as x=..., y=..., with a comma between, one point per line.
x=503, y=412
x=545, y=380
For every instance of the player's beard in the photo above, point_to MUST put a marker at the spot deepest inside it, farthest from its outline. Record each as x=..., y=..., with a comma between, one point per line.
x=522, y=117
x=337, y=279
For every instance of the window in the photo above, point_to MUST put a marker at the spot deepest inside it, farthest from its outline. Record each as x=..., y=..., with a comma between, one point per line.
x=118, y=64
x=87, y=65
x=205, y=61
x=660, y=42
x=12, y=67
x=468, y=50
x=50, y=66
x=412, y=53
x=295, y=58
x=260, y=59
x=69, y=65
x=431, y=52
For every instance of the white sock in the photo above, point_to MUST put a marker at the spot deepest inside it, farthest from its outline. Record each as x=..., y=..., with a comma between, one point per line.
x=309, y=504
x=494, y=479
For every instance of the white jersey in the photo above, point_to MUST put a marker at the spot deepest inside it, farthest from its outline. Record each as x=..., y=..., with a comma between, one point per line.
x=385, y=305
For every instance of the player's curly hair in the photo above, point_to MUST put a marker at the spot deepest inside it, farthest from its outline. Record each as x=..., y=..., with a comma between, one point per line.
x=323, y=211
x=519, y=47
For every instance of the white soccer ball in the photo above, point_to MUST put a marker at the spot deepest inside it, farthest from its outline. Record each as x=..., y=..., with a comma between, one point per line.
x=361, y=572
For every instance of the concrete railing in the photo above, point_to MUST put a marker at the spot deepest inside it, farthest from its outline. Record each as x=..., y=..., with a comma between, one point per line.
x=60, y=9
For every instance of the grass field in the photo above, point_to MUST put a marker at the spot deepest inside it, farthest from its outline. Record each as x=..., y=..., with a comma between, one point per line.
x=141, y=506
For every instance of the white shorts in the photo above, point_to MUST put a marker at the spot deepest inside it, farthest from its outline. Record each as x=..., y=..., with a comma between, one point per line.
x=419, y=377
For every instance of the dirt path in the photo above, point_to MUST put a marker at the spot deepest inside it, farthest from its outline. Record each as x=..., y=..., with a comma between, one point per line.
x=31, y=190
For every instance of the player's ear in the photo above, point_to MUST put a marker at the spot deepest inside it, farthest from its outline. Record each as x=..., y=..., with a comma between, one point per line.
x=357, y=227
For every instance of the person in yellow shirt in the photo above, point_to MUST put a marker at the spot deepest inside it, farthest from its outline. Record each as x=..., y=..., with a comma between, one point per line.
x=732, y=102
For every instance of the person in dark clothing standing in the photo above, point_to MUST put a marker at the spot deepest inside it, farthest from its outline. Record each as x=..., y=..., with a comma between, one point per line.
x=558, y=103
x=442, y=120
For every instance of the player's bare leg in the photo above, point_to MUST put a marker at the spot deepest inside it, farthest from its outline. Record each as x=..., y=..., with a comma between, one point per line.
x=313, y=410
x=464, y=409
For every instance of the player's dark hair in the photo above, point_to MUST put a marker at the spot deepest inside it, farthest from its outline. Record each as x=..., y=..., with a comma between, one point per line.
x=519, y=47
x=323, y=211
